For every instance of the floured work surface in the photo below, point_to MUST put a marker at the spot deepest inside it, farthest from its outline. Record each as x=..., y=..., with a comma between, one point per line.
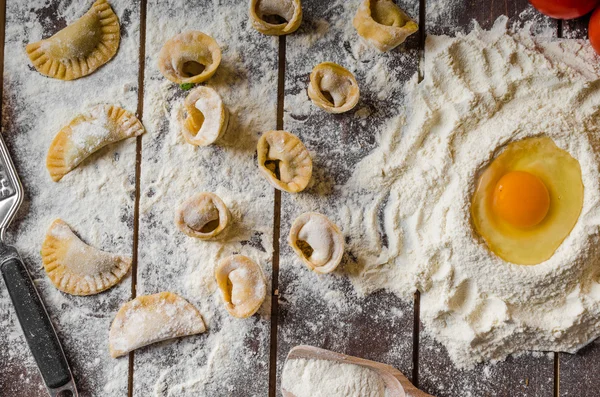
x=232, y=357
x=96, y=199
x=325, y=310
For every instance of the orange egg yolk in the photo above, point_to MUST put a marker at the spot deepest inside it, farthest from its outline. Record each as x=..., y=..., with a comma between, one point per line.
x=521, y=199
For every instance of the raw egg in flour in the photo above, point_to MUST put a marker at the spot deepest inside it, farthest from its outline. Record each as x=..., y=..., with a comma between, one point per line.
x=528, y=200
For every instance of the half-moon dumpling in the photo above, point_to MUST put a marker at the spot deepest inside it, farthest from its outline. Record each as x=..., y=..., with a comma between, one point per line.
x=207, y=117
x=87, y=133
x=317, y=241
x=284, y=161
x=333, y=88
x=383, y=24
x=276, y=17
x=203, y=216
x=81, y=47
x=77, y=268
x=242, y=285
x=152, y=318
x=189, y=57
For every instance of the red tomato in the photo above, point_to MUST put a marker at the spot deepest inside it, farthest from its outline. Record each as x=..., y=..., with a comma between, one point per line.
x=594, y=30
x=564, y=9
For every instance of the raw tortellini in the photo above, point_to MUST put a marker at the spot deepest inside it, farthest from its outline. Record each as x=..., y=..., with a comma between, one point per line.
x=333, y=88
x=276, y=17
x=284, y=161
x=80, y=48
x=203, y=216
x=383, y=24
x=87, y=133
x=207, y=117
x=189, y=57
x=317, y=241
x=242, y=285
x=152, y=318
x=77, y=268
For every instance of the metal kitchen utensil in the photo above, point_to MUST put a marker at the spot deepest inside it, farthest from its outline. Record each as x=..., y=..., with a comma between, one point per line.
x=32, y=315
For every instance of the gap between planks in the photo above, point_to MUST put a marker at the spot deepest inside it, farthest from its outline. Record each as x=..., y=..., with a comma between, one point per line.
x=276, y=230
x=138, y=174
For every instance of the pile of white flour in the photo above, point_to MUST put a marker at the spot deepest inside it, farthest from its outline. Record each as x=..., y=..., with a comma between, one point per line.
x=481, y=91
x=323, y=378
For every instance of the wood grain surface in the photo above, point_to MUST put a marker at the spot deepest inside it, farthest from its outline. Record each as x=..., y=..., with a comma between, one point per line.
x=307, y=308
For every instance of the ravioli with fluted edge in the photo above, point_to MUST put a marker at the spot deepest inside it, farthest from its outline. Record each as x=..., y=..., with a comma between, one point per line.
x=150, y=319
x=206, y=117
x=284, y=161
x=528, y=200
x=383, y=24
x=86, y=134
x=333, y=88
x=189, y=57
x=276, y=17
x=77, y=268
x=80, y=48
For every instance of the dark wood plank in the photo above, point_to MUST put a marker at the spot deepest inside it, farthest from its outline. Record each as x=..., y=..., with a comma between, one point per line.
x=528, y=374
x=579, y=372
x=232, y=357
x=326, y=311
x=34, y=109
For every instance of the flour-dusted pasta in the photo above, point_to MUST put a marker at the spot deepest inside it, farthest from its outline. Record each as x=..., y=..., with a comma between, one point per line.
x=153, y=318
x=203, y=216
x=206, y=117
x=242, y=285
x=383, y=24
x=276, y=17
x=284, y=161
x=87, y=133
x=80, y=48
x=333, y=88
x=189, y=57
x=77, y=268
x=317, y=241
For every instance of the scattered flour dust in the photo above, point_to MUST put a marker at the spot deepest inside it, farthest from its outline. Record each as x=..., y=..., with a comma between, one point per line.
x=480, y=92
x=96, y=199
x=323, y=378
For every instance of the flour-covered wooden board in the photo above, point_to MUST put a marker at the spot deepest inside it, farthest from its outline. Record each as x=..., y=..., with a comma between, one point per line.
x=578, y=372
x=96, y=199
x=528, y=374
x=326, y=310
x=232, y=356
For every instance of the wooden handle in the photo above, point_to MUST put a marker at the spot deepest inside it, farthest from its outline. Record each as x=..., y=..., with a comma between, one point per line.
x=396, y=383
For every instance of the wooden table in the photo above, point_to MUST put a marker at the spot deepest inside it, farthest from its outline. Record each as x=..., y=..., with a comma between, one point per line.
x=379, y=326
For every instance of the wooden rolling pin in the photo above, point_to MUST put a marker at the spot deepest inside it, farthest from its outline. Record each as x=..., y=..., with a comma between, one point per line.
x=396, y=383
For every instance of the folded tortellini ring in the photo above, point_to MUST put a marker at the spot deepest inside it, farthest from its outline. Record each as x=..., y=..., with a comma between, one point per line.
x=317, y=241
x=284, y=161
x=88, y=133
x=77, y=268
x=80, y=48
x=203, y=216
x=383, y=24
x=206, y=116
x=189, y=57
x=276, y=17
x=242, y=285
x=333, y=88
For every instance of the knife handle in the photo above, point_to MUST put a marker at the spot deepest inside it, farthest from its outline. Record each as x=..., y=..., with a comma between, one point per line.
x=38, y=329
